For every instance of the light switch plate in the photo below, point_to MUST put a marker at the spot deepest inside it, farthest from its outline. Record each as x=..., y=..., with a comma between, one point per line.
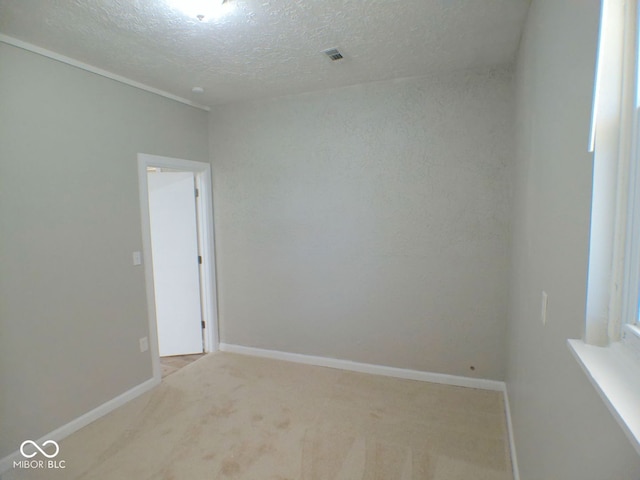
x=543, y=309
x=137, y=258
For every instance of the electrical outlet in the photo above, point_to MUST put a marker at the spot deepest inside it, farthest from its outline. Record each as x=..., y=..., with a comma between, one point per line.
x=137, y=258
x=144, y=344
x=543, y=309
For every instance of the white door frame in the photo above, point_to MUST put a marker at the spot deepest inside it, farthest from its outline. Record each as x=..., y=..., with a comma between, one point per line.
x=204, y=206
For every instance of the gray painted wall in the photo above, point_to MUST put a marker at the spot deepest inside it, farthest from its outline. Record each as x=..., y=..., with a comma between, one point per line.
x=369, y=223
x=562, y=428
x=72, y=306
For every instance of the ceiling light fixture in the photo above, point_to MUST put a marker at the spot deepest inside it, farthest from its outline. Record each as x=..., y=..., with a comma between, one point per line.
x=203, y=10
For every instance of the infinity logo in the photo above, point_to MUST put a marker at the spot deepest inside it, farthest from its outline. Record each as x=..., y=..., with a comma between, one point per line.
x=38, y=448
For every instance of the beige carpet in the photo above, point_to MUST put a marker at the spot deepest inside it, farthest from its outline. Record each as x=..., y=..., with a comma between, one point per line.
x=235, y=417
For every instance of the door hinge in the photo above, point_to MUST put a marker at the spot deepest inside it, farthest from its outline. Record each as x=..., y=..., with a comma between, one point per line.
x=203, y=324
x=197, y=193
x=200, y=259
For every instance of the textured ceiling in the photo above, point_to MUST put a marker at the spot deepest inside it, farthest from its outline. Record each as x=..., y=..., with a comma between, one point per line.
x=267, y=48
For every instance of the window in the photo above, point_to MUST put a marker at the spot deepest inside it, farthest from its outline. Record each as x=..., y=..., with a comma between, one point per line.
x=614, y=257
x=610, y=352
x=629, y=228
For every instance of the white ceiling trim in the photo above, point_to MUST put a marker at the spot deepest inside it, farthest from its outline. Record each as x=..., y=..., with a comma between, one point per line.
x=98, y=71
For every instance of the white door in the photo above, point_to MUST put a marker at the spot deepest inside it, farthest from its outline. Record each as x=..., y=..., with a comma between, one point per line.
x=174, y=249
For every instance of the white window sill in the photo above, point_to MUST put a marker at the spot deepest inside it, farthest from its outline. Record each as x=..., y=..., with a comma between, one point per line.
x=615, y=373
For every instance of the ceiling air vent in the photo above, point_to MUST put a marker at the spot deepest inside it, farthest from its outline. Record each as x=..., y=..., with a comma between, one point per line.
x=333, y=54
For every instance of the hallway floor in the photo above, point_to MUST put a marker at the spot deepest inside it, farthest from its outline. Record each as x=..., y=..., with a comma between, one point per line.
x=172, y=364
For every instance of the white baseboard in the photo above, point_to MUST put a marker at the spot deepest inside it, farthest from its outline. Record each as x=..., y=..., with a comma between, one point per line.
x=367, y=368
x=481, y=383
x=512, y=442
x=6, y=463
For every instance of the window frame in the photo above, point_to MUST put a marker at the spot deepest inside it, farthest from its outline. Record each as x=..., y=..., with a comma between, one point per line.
x=609, y=353
x=630, y=311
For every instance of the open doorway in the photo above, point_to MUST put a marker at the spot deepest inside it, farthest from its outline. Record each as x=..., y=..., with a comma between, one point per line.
x=177, y=225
